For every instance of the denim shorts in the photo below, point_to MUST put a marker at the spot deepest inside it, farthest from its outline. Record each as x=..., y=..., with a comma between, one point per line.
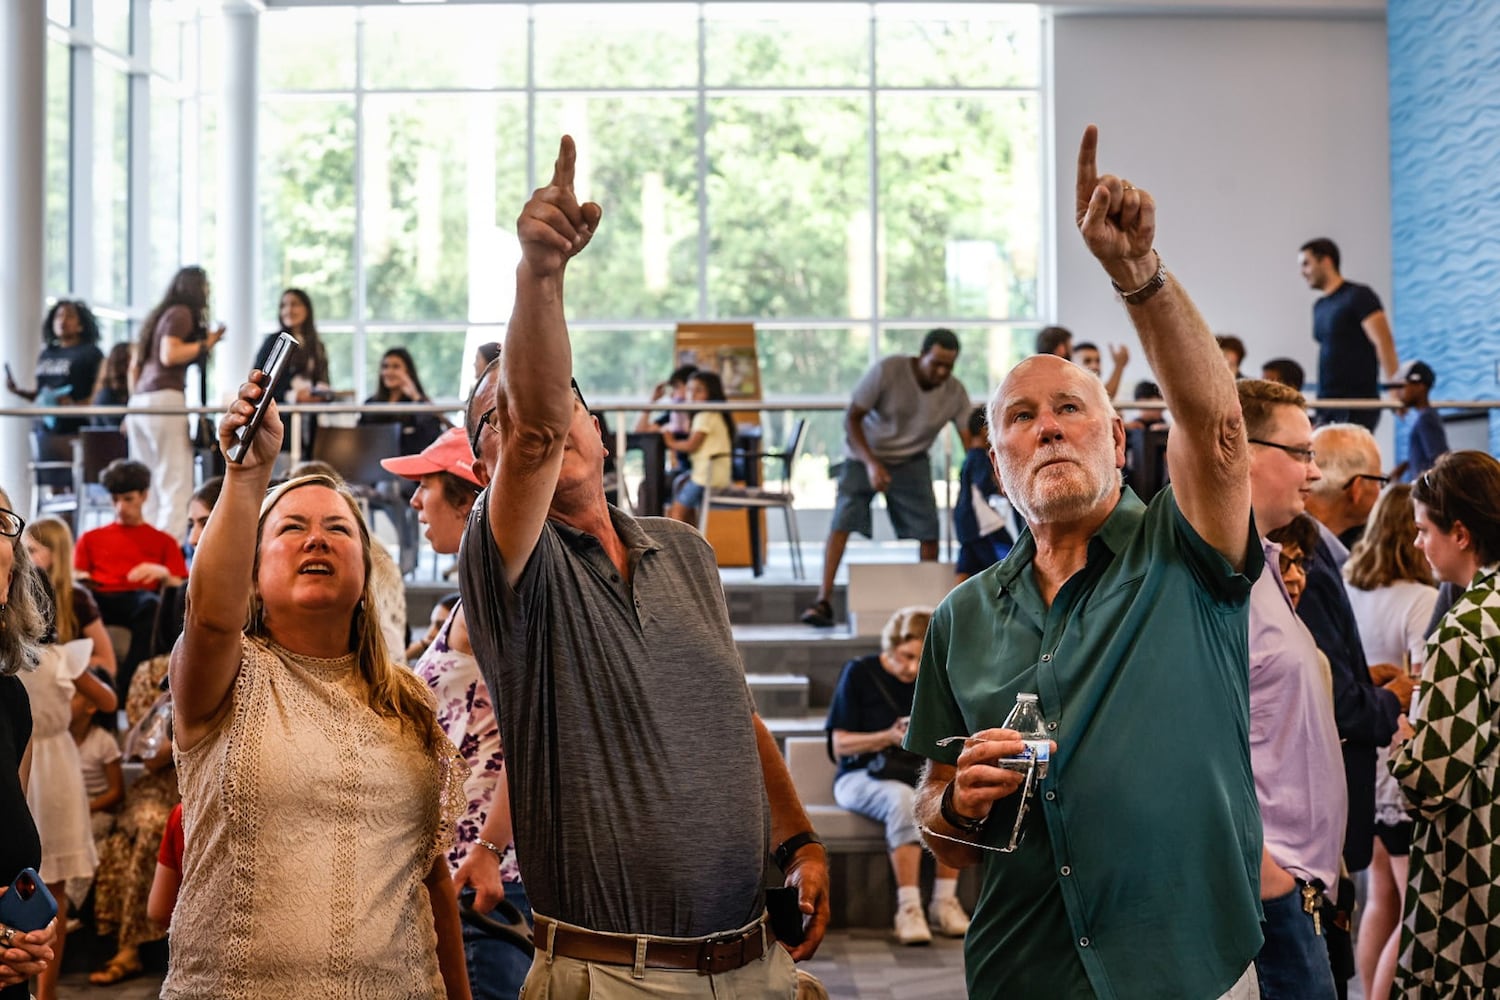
x=883, y=800
x=689, y=494
x=908, y=499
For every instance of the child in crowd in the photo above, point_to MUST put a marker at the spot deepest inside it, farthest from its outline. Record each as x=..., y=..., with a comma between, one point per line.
x=99, y=757
x=980, y=512
x=75, y=615
x=127, y=562
x=163, y=898
x=1427, y=439
x=440, y=612
x=709, y=445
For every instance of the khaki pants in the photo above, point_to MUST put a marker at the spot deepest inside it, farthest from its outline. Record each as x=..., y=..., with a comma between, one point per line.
x=1248, y=987
x=773, y=976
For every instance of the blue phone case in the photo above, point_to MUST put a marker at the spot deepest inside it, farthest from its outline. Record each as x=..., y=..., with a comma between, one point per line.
x=27, y=905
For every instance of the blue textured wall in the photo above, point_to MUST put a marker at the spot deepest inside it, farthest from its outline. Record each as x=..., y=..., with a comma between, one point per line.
x=1445, y=191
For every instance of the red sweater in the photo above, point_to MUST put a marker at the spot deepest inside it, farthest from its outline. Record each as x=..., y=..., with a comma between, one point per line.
x=109, y=553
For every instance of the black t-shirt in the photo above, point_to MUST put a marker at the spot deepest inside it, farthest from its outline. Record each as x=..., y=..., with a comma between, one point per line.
x=73, y=369
x=858, y=705
x=1347, y=365
x=19, y=845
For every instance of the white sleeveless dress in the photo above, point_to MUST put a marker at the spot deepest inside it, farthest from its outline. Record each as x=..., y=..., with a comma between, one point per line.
x=58, y=801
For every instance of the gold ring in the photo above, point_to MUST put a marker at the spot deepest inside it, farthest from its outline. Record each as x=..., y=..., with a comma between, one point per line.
x=6, y=935
x=1129, y=186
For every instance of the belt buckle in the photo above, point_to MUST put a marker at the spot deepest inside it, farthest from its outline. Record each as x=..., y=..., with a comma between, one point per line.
x=720, y=955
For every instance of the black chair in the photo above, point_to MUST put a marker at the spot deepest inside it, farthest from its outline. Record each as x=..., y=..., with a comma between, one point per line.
x=753, y=498
x=94, y=449
x=51, y=468
x=355, y=453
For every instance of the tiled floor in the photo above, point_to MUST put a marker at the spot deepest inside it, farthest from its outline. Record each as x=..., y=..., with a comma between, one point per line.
x=854, y=965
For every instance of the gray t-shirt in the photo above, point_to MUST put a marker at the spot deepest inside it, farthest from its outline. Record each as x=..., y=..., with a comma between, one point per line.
x=903, y=418
x=635, y=782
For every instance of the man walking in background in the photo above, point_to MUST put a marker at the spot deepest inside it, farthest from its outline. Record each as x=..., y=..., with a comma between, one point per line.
x=1354, y=339
x=899, y=408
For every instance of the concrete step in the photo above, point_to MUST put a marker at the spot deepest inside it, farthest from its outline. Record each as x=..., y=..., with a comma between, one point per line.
x=778, y=694
x=817, y=654
x=755, y=603
x=791, y=726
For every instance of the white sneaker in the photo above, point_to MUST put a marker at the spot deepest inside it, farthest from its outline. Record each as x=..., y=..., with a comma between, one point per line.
x=948, y=916
x=911, y=926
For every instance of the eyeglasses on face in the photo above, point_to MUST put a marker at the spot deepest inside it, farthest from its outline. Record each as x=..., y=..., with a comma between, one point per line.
x=488, y=417
x=1303, y=455
x=11, y=523
x=1382, y=480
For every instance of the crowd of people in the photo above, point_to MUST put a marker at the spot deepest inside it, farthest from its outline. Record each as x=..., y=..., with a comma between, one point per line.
x=1247, y=687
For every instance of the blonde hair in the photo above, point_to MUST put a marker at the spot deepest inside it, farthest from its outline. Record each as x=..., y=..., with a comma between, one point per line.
x=22, y=623
x=905, y=625
x=1387, y=552
x=54, y=535
x=394, y=692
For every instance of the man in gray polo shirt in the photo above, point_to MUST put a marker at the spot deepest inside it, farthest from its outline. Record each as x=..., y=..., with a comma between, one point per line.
x=646, y=795
x=899, y=407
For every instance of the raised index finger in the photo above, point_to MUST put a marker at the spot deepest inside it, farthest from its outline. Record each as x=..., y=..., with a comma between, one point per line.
x=1088, y=171
x=567, y=158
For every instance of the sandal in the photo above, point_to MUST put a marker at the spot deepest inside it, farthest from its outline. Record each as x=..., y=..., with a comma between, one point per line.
x=820, y=615
x=115, y=970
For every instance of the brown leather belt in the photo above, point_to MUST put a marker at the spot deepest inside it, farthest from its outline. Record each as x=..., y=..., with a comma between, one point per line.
x=708, y=957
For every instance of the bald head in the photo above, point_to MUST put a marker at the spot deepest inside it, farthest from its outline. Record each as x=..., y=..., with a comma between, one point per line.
x=1048, y=370
x=1058, y=443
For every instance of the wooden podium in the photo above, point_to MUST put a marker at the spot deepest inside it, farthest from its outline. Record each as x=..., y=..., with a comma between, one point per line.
x=727, y=349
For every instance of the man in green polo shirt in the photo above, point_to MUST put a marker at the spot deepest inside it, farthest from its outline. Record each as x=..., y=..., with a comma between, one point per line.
x=1137, y=872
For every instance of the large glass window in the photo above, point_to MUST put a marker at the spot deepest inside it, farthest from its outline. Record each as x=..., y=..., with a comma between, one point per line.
x=58, y=260
x=307, y=203
x=846, y=174
x=111, y=184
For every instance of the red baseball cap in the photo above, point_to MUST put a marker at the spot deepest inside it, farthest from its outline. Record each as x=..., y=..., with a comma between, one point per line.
x=449, y=453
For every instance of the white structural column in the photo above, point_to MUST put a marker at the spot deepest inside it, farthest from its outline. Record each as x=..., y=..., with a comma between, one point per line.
x=236, y=288
x=23, y=101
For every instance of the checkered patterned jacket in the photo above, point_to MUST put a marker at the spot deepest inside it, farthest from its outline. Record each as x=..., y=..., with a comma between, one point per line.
x=1450, y=935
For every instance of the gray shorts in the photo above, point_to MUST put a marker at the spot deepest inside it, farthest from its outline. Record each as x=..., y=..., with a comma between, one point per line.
x=908, y=500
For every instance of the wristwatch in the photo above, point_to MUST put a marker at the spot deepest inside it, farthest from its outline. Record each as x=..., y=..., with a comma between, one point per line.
x=952, y=817
x=792, y=845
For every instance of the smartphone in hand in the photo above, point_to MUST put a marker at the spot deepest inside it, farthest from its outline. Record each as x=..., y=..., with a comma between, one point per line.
x=275, y=366
x=27, y=905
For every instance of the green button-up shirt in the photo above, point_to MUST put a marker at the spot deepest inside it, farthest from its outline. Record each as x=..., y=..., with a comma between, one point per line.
x=1139, y=873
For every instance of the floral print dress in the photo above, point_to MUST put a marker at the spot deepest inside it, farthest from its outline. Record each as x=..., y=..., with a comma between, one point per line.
x=1450, y=933
x=466, y=714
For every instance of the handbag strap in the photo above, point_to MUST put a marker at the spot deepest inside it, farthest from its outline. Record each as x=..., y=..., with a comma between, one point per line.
x=885, y=693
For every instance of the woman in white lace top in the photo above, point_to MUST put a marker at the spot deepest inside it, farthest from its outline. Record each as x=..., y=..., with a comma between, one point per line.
x=318, y=791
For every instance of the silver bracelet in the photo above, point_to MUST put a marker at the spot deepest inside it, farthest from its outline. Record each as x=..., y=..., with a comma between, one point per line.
x=496, y=851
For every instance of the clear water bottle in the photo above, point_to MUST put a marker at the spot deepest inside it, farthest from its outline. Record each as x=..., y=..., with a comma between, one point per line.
x=1026, y=719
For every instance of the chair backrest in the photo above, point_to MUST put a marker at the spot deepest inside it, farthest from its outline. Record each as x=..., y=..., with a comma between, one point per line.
x=97, y=447
x=52, y=458
x=356, y=451
x=788, y=453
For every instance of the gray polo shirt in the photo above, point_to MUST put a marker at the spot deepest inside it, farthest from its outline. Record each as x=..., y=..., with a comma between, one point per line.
x=635, y=783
